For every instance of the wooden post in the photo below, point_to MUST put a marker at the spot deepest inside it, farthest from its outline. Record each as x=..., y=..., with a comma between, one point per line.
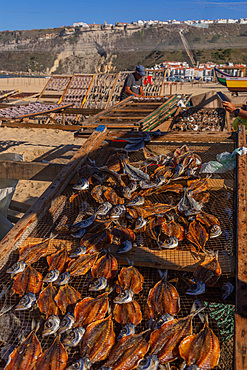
x=241, y=260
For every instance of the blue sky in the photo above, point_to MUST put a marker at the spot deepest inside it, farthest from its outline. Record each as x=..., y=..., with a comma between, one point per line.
x=26, y=15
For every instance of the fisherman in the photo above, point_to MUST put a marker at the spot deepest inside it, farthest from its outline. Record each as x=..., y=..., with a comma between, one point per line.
x=133, y=84
x=239, y=113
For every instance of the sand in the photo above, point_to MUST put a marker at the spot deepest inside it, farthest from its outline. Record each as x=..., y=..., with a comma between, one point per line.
x=34, y=143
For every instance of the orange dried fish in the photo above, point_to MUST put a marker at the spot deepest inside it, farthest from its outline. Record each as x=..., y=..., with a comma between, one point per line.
x=198, y=186
x=154, y=228
x=128, y=313
x=201, y=349
x=98, y=340
x=165, y=171
x=25, y=355
x=208, y=272
x=82, y=264
x=175, y=188
x=66, y=296
x=202, y=198
x=207, y=219
x=112, y=197
x=106, y=266
x=174, y=229
x=197, y=234
x=130, y=278
x=46, y=302
x=54, y=358
x=32, y=252
x=58, y=260
x=98, y=193
x=164, y=342
x=127, y=352
x=163, y=298
x=28, y=281
x=91, y=309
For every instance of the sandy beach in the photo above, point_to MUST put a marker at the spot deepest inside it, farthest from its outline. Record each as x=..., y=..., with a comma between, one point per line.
x=36, y=143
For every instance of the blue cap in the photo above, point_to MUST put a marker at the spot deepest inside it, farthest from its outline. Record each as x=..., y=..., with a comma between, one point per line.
x=141, y=70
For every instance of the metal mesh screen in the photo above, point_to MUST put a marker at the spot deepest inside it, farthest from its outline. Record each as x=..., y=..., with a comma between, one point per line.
x=16, y=325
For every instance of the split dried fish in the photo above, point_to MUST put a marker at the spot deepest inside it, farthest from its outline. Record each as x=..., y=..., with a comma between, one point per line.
x=46, y=302
x=201, y=349
x=208, y=272
x=54, y=358
x=98, y=340
x=57, y=261
x=34, y=251
x=130, y=278
x=28, y=281
x=66, y=296
x=91, y=309
x=82, y=264
x=106, y=266
x=128, y=313
x=26, y=354
x=197, y=234
x=163, y=298
x=128, y=352
x=82, y=184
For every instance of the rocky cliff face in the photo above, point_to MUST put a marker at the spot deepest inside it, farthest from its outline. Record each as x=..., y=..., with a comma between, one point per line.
x=101, y=49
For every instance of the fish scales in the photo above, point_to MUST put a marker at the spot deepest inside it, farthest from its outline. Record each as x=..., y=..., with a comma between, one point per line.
x=91, y=309
x=98, y=340
x=25, y=355
x=127, y=352
x=28, y=281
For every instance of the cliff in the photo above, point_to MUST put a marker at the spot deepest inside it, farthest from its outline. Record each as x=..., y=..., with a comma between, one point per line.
x=103, y=49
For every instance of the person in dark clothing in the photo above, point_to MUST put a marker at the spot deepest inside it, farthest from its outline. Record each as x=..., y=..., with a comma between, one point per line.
x=133, y=84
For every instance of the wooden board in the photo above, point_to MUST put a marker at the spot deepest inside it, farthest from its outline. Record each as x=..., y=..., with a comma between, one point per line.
x=241, y=261
x=51, y=199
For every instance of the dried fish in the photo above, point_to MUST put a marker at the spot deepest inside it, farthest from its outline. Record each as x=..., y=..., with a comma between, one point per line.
x=106, y=266
x=46, y=302
x=51, y=325
x=208, y=272
x=26, y=354
x=112, y=197
x=163, y=298
x=215, y=231
x=98, y=193
x=104, y=208
x=169, y=243
x=66, y=296
x=32, y=252
x=197, y=234
x=63, y=278
x=91, y=309
x=134, y=173
x=82, y=224
x=98, y=284
x=117, y=211
x=82, y=264
x=67, y=323
x=26, y=302
x=127, y=352
x=130, y=278
x=98, y=340
x=201, y=349
x=54, y=358
x=174, y=229
x=125, y=247
x=138, y=201
x=28, y=281
x=164, y=342
x=78, y=251
x=196, y=288
x=140, y=223
x=57, y=261
x=123, y=233
x=73, y=337
x=128, y=313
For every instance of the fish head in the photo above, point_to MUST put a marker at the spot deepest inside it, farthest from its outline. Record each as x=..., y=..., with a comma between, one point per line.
x=81, y=364
x=128, y=329
x=98, y=284
x=82, y=184
x=63, y=278
x=26, y=302
x=51, y=325
x=74, y=336
x=196, y=289
x=125, y=296
x=51, y=276
x=126, y=246
x=151, y=362
x=67, y=323
x=78, y=252
x=215, y=231
x=170, y=243
x=19, y=266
